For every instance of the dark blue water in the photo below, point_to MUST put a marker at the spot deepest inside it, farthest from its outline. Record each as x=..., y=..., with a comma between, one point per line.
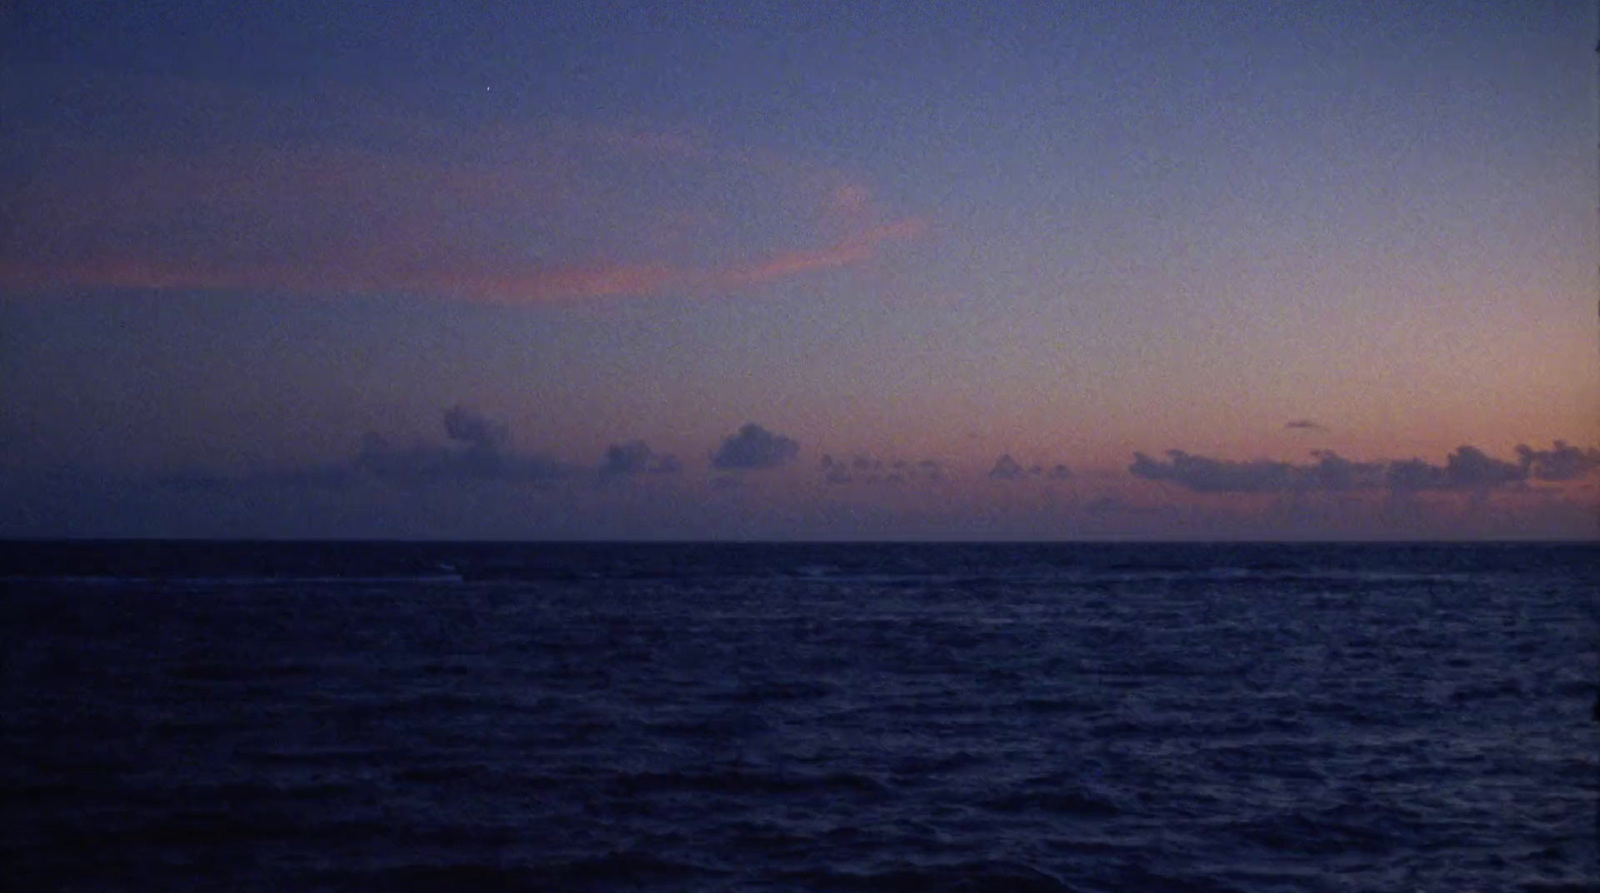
x=456, y=717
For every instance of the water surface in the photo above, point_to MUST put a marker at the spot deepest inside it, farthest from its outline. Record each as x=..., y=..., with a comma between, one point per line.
x=889, y=717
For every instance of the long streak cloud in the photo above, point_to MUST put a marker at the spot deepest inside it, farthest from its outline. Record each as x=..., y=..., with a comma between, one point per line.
x=499, y=214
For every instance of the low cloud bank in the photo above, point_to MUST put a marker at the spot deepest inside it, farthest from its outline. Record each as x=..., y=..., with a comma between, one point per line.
x=1467, y=469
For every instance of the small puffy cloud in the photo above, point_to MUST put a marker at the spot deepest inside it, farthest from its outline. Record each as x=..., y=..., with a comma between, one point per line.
x=636, y=457
x=835, y=471
x=1561, y=462
x=870, y=470
x=754, y=448
x=467, y=426
x=1007, y=469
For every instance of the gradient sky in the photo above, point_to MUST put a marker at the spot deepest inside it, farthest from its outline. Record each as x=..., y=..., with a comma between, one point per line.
x=693, y=270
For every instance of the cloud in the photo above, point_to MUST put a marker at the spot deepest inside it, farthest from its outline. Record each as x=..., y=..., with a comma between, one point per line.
x=855, y=249
x=478, y=450
x=1203, y=474
x=1559, y=463
x=478, y=431
x=1467, y=468
x=1008, y=469
x=486, y=456
x=754, y=448
x=1303, y=425
x=1334, y=472
x=397, y=203
x=635, y=457
x=1206, y=475
x=869, y=470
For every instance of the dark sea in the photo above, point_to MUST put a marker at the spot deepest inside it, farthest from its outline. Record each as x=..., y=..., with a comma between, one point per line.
x=420, y=717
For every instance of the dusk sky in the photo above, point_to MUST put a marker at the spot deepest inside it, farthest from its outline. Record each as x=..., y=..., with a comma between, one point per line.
x=1063, y=270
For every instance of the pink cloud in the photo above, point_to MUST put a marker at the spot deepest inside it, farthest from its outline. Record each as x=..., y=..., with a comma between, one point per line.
x=500, y=214
x=537, y=285
x=853, y=250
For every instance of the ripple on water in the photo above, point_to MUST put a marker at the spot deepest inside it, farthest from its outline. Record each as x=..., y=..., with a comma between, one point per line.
x=1242, y=718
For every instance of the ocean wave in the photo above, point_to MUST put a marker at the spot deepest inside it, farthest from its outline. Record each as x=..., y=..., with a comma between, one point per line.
x=1247, y=718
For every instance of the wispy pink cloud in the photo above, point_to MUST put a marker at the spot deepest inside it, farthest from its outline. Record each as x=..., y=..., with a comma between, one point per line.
x=502, y=214
x=499, y=286
x=853, y=250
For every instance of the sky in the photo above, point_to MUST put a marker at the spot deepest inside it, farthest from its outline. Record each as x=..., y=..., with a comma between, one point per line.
x=1065, y=270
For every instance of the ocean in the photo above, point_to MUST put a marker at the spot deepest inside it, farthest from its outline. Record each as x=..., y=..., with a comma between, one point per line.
x=890, y=717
